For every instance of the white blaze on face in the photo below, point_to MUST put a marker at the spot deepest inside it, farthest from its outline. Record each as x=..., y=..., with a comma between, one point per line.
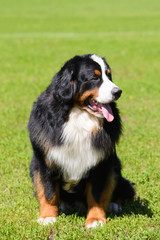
x=105, y=95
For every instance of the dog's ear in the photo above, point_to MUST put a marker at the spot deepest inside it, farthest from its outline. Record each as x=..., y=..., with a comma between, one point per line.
x=65, y=82
x=64, y=85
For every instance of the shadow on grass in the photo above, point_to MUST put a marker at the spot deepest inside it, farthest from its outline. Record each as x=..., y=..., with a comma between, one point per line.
x=137, y=207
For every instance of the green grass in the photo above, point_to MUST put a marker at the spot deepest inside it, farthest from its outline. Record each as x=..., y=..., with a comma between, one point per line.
x=36, y=38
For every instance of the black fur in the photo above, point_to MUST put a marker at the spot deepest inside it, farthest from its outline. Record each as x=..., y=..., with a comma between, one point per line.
x=51, y=111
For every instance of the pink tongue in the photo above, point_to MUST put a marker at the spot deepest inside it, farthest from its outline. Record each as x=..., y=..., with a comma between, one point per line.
x=107, y=112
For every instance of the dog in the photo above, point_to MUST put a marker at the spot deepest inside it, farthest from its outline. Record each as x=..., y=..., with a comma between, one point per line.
x=74, y=126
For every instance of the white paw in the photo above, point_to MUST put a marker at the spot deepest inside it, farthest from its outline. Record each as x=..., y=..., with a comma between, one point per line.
x=95, y=224
x=114, y=207
x=46, y=221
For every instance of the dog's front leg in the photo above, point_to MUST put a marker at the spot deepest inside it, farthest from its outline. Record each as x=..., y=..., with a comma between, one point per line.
x=48, y=205
x=97, y=208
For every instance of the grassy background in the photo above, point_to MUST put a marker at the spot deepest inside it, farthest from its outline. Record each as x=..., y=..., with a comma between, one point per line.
x=36, y=38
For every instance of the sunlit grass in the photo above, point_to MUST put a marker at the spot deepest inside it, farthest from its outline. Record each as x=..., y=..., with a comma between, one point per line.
x=129, y=39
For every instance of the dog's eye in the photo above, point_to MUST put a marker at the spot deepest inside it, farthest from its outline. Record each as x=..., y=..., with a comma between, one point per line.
x=95, y=77
x=97, y=74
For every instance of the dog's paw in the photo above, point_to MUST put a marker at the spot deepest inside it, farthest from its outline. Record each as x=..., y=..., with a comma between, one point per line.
x=46, y=221
x=95, y=224
x=114, y=207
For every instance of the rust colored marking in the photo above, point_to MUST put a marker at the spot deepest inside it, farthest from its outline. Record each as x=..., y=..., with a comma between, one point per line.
x=51, y=165
x=97, y=211
x=108, y=71
x=72, y=82
x=97, y=72
x=79, y=100
x=96, y=128
x=47, y=162
x=47, y=208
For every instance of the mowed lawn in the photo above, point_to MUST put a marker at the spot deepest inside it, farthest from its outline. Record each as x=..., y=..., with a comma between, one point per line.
x=36, y=38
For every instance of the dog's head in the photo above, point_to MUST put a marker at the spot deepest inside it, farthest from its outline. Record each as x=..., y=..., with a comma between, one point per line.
x=86, y=82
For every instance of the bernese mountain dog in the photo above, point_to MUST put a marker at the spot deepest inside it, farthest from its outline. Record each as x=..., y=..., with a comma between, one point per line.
x=74, y=126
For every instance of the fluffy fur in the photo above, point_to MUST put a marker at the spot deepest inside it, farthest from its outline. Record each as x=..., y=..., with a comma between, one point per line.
x=74, y=126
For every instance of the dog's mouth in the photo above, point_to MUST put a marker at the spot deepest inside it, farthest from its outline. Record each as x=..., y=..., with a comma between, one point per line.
x=104, y=110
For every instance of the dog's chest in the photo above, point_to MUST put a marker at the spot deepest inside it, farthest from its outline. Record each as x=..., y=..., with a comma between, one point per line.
x=77, y=155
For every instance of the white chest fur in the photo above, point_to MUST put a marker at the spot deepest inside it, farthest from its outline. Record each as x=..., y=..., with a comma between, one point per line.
x=76, y=156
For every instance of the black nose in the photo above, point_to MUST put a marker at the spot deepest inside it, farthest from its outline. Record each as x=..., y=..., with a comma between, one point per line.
x=116, y=92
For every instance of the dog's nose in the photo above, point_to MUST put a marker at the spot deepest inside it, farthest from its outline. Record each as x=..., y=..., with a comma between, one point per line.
x=116, y=92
